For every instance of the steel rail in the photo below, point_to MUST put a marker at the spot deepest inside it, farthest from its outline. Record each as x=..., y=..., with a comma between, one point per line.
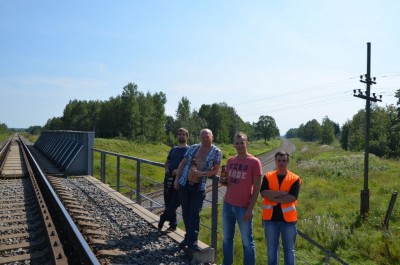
x=57, y=253
x=83, y=251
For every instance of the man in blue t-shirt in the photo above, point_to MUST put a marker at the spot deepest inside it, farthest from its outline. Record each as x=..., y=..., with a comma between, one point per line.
x=171, y=198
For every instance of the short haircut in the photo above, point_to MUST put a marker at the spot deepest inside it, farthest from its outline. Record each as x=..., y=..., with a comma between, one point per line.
x=282, y=153
x=183, y=130
x=241, y=135
x=206, y=130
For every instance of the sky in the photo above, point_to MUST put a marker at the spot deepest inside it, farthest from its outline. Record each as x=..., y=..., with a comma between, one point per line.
x=292, y=60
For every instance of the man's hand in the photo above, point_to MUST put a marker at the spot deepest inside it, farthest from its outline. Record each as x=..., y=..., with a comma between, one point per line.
x=176, y=183
x=248, y=215
x=280, y=194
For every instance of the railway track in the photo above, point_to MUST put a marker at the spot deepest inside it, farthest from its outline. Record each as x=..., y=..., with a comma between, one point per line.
x=27, y=230
x=92, y=227
x=34, y=228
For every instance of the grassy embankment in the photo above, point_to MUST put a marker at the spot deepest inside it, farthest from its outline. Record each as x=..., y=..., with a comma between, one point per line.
x=329, y=205
x=157, y=153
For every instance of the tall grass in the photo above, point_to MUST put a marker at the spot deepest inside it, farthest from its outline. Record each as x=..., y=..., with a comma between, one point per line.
x=329, y=209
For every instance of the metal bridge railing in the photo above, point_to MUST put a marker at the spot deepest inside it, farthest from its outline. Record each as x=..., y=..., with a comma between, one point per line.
x=138, y=178
x=136, y=171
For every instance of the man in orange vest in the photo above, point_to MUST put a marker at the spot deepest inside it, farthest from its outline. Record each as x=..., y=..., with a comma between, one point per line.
x=280, y=189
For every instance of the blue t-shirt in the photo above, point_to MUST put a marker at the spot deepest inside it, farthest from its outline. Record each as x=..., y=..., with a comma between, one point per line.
x=175, y=156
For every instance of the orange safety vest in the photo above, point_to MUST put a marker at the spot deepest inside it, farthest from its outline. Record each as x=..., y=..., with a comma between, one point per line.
x=288, y=209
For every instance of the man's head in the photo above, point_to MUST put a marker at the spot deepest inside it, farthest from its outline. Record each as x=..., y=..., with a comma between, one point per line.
x=281, y=160
x=206, y=137
x=182, y=135
x=240, y=142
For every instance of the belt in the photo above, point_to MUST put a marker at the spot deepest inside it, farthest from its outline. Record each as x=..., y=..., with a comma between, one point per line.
x=193, y=183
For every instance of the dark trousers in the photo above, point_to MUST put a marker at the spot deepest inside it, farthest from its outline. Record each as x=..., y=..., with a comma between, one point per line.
x=171, y=201
x=192, y=202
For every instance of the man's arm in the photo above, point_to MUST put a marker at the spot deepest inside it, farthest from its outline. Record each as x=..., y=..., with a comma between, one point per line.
x=166, y=166
x=256, y=187
x=178, y=172
x=282, y=196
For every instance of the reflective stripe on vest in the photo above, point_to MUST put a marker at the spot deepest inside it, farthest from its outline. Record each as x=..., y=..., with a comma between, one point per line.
x=289, y=210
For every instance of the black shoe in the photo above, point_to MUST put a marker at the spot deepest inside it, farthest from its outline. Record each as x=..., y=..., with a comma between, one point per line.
x=160, y=224
x=171, y=229
x=183, y=244
x=195, y=248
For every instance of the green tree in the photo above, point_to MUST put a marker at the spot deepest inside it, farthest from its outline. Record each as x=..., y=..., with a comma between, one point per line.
x=55, y=123
x=311, y=131
x=292, y=133
x=128, y=112
x=266, y=128
x=327, y=131
x=35, y=130
x=383, y=133
x=379, y=132
x=356, y=139
x=397, y=95
x=344, y=137
x=394, y=131
x=158, y=117
x=3, y=127
x=223, y=121
x=183, y=114
x=108, y=123
x=196, y=124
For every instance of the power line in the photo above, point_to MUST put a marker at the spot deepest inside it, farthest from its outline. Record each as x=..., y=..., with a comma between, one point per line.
x=317, y=87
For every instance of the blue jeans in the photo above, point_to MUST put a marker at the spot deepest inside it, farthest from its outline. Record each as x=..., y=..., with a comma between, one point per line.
x=191, y=200
x=272, y=231
x=230, y=215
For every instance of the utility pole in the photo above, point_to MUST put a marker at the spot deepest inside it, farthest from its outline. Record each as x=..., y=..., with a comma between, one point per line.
x=364, y=205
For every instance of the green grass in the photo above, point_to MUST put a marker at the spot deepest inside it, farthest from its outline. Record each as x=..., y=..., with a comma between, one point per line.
x=329, y=203
x=329, y=207
x=4, y=136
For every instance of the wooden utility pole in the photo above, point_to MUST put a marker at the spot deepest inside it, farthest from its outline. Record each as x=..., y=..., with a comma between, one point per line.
x=364, y=205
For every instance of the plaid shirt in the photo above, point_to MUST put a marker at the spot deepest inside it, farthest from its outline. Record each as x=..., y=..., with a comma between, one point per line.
x=214, y=157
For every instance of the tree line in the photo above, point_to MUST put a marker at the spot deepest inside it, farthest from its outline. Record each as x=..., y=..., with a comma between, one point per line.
x=384, y=131
x=139, y=116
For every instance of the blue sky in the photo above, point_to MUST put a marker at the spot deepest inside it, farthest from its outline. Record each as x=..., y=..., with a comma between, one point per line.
x=292, y=60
